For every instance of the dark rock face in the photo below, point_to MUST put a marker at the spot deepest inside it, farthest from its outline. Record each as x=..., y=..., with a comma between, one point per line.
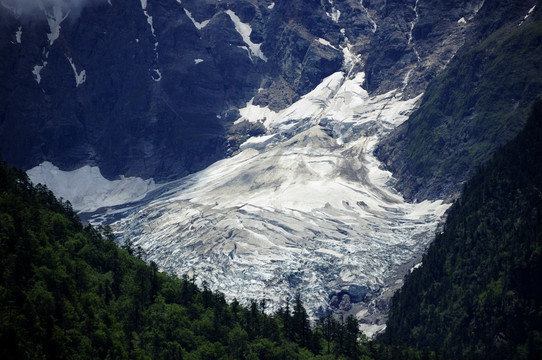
x=415, y=40
x=475, y=106
x=161, y=84
x=154, y=92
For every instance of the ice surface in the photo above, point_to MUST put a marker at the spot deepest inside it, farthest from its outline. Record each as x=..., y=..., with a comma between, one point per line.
x=87, y=189
x=305, y=207
x=245, y=30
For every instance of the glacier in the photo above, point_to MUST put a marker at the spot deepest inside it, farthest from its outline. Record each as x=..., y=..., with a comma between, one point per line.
x=305, y=208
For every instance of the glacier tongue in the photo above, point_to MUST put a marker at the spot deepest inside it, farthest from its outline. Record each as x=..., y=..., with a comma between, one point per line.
x=305, y=208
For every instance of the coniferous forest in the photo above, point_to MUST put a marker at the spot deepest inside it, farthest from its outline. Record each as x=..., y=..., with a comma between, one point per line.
x=478, y=294
x=68, y=292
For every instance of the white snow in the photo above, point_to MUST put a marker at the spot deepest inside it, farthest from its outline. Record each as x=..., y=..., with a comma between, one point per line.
x=198, y=25
x=87, y=189
x=410, y=35
x=370, y=330
x=326, y=43
x=307, y=201
x=527, y=15
x=270, y=7
x=37, y=71
x=54, y=20
x=197, y=61
x=337, y=100
x=19, y=34
x=245, y=30
x=158, y=75
x=149, y=21
x=368, y=16
x=80, y=77
x=462, y=21
x=335, y=14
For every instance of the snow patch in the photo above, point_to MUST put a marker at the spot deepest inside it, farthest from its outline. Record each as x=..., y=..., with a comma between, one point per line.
x=270, y=7
x=326, y=43
x=462, y=21
x=80, y=77
x=157, y=75
x=87, y=189
x=368, y=16
x=527, y=15
x=197, y=61
x=245, y=30
x=370, y=330
x=54, y=20
x=410, y=35
x=37, y=71
x=19, y=34
x=149, y=21
x=198, y=25
x=334, y=15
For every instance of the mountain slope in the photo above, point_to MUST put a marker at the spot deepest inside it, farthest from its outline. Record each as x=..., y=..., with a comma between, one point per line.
x=304, y=208
x=471, y=109
x=68, y=292
x=144, y=88
x=293, y=96
x=477, y=294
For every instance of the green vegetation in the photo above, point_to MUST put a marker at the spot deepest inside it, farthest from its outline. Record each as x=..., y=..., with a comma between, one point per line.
x=478, y=294
x=473, y=108
x=68, y=292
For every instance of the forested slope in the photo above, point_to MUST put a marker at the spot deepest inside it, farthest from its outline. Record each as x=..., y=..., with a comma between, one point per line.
x=478, y=293
x=68, y=292
x=479, y=103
